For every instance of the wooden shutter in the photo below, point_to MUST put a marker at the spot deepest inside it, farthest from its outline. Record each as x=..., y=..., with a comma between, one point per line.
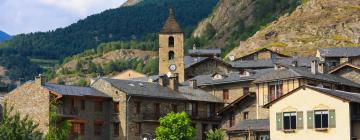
x=310, y=119
x=279, y=121
x=332, y=118
x=300, y=120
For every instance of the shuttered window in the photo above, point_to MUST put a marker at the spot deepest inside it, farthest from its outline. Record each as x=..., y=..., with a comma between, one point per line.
x=310, y=119
x=300, y=120
x=321, y=118
x=289, y=119
x=279, y=122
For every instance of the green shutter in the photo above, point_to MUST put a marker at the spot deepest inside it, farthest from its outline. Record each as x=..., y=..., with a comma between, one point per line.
x=310, y=119
x=300, y=120
x=332, y=118
x=279, y=121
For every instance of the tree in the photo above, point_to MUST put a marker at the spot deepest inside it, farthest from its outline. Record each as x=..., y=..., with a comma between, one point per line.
x=58, y=130
x=14, y=127
x=216, y=134
x=175, y=126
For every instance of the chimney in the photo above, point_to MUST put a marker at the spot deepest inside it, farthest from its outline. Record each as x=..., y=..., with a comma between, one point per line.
x=162, y=80
x=174, y=82
x=321, y=67
x=193, y=83
x=39, y=80
x=294, y=63
x=314, y=67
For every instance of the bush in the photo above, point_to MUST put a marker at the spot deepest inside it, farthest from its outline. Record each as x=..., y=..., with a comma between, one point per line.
x=216, y=134
x=175, y=126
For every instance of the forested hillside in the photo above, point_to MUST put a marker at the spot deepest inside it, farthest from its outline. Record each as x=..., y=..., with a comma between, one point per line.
x=127, y=22
x=4, y=36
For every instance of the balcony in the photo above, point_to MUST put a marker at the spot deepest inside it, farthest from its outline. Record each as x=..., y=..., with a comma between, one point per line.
x=203, y=115
x=68, y=112
x=150, y=116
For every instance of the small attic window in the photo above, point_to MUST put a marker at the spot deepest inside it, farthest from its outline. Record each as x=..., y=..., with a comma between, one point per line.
x=217, y=76
x=171, y=41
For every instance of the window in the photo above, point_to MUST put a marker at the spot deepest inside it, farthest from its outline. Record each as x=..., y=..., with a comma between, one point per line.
x=116, y=129
x=174, y=107
x=78, y=128
x=321, y=119
x=137, y=107
x=245, y=115
x=232, y=119
x=98, y=128
x=116, y=107
x=171, y=41
x=275, y=91
x=83, y=104
x=156, y=110
x=171, y=55
x=226, y=94
x=356, y=109
x=192, y=109
x=210, y=110
x=246, y=90
x=98, y=106
x=289, y=120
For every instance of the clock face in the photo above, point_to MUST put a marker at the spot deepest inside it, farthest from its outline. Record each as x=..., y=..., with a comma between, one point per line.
x=172, y=67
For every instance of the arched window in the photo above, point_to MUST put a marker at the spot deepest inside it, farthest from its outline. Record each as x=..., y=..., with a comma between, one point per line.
x=171, y=41
x=171, y=55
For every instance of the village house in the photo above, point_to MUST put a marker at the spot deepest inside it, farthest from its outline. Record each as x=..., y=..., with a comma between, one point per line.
x=87, y=109
x=348, y=71
x=129, y=74
x=261, y=54
x=334, y=57
x=322, y=114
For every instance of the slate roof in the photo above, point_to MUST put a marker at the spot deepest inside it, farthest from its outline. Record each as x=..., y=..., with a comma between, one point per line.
x=261, y=50
x=340, y=52
x=348, y=96
x=302, y=72
x=203, y=80
x=171, y=26
x=74, y=90
x=205, y=51
x=269, y=63
x=154, y=90
x=189, y=61
x=344, y=66
x=247, y=96
x=151, y=78
x=254, y=125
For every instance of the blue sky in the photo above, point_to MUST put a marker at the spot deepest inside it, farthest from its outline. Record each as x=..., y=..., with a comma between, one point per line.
x=25, y=16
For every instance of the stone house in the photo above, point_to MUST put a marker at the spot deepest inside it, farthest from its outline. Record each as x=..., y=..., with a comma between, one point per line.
x=240, y=120
x=143, y=103
x=86, y=108
x=261, y=54
x=228, y=87
x=348, y=71
x=322, y=114
x=334, y=57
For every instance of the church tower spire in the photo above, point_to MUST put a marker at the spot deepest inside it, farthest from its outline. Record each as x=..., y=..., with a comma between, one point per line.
x=171, y=49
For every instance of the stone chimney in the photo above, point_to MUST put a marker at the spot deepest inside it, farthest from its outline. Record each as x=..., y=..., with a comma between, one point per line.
x=314, y=67
x=39, y=80
x=193, y=83
x=174, y=82
x=162, y=80
x=321, y=67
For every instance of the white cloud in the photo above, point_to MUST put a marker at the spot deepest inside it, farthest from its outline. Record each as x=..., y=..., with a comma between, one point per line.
x=24, y=16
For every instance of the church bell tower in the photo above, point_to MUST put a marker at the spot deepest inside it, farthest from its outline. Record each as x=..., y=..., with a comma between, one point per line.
x=171, y=49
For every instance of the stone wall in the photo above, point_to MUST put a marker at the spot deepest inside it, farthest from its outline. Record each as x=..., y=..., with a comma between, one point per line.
x=32, y=100
x=350, y=73
x=208, y=67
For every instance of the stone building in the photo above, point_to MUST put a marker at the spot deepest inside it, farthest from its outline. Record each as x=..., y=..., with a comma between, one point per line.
x=171, y=48
x=334, y=57
x=322, y=114
x=240, y=120
x=348, y=71
x=86, y=108
x=142, y=104
x=261, y=54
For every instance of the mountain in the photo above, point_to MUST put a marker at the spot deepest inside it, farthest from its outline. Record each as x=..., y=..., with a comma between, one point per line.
x=4, y=36
x=236, y=20
x=123, y=23
x=314, y=24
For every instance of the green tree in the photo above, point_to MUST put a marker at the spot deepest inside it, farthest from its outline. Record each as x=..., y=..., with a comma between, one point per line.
x=58, y=128
x=175, y=126
x=216, y=134
x=14, y=127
